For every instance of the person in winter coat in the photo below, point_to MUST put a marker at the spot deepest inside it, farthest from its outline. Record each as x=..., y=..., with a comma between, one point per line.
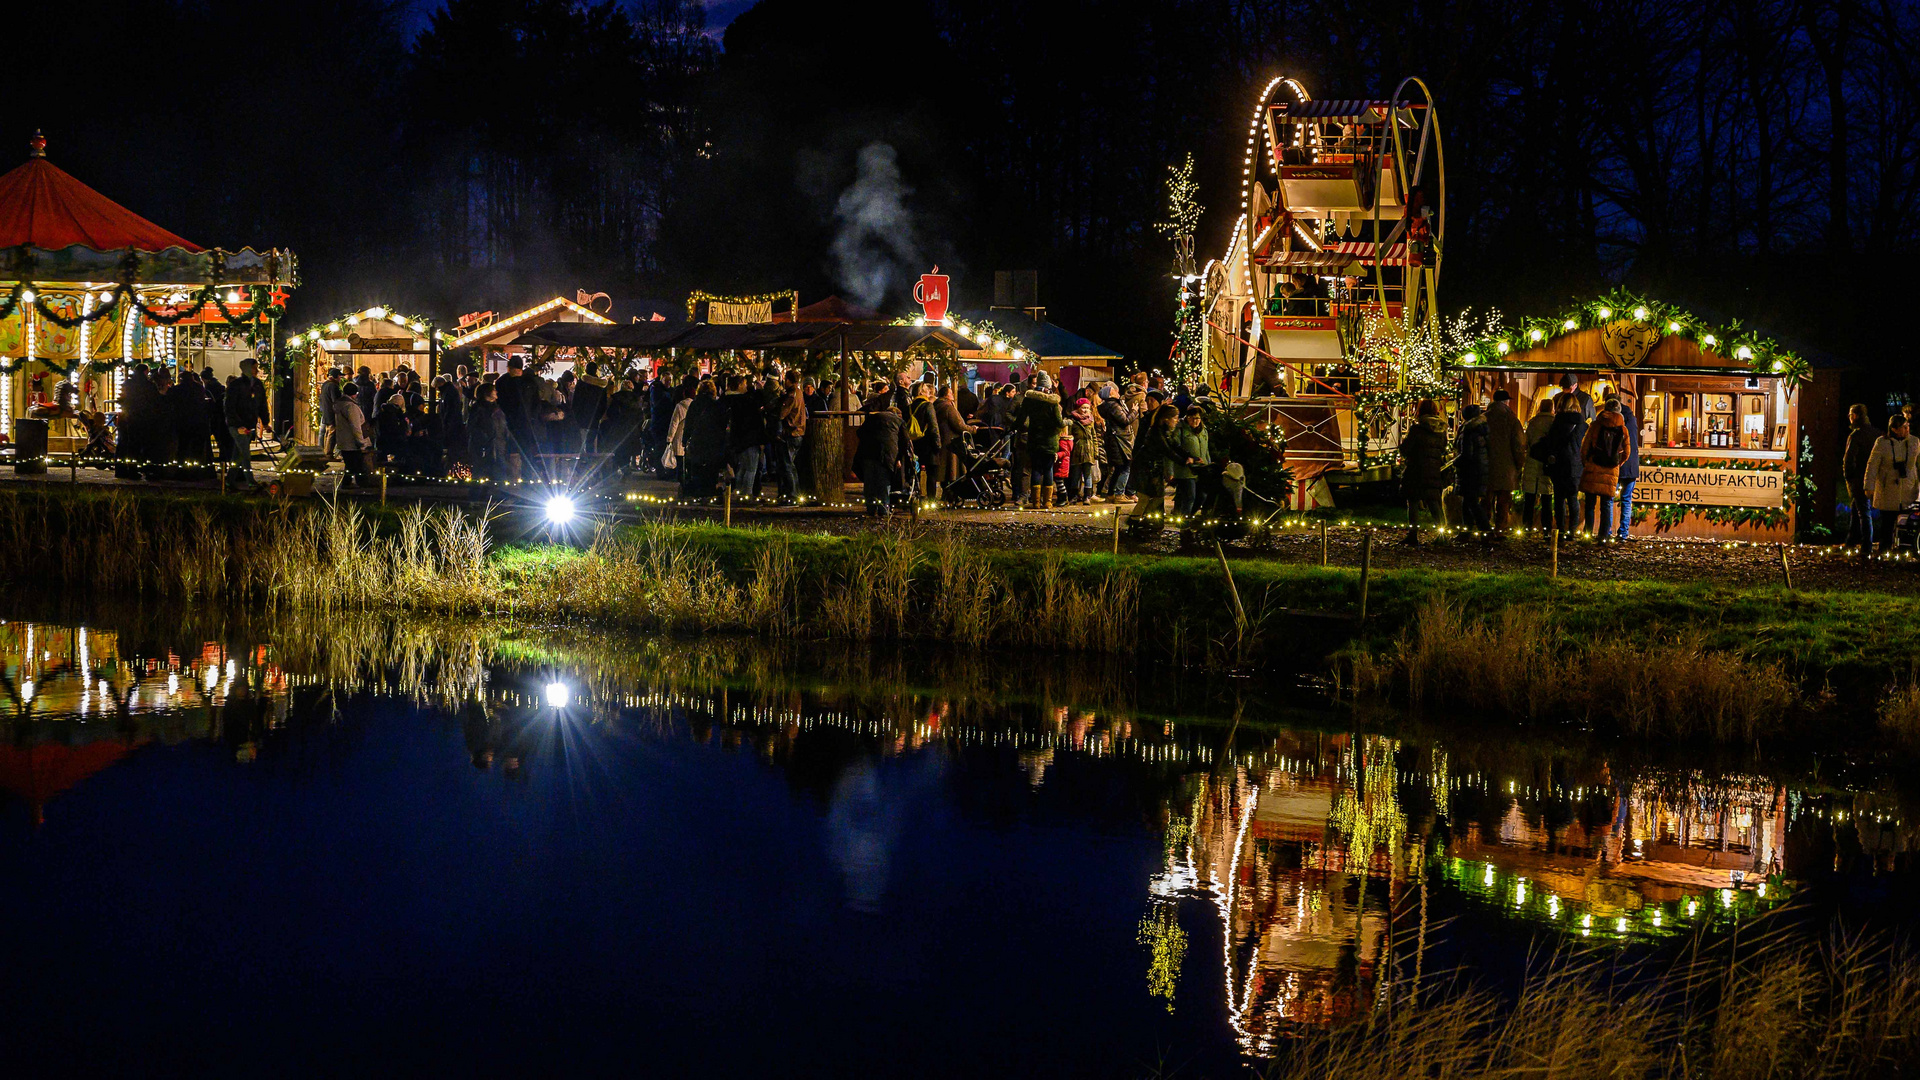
x=390, y=430
x=587, y=407
x=1152, y=466
x=450, y=422
x=787, y=432
x=246, y=412
x=1893, y=478
x=352, y=435
x=1122, y=422
x=192, y=419
x=1560, y=453
x=1602, y=451
x=1038, y=416
x=487, y=434
x=1629, y=470
x=705, y=437
x=1187, y=452
x=1536, y=490
x=1861, y=435
x=883, y=453
x=1424, y=449
x=662, y=400
x=746, y=431
x=951, y=415
x=1085, y=452
x=923, y=419
x=1506, y=459
x=1472, y=455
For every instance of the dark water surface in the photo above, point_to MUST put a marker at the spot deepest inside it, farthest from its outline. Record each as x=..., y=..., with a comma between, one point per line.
x=350, y=846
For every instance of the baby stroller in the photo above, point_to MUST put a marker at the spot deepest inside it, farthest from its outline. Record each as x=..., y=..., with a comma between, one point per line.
x=983, y=472
x=1226, y=509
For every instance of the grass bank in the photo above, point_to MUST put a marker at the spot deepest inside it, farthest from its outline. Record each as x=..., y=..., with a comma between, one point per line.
x=1659, y=658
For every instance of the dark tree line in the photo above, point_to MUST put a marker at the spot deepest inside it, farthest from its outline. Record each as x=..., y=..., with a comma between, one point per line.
x=1753, y=158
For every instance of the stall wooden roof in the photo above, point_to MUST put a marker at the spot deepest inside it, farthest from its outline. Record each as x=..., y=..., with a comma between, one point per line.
x=1583, y=350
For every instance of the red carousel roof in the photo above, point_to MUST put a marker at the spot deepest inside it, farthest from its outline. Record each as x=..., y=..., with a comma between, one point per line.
x=43, y=207
x=37, y=773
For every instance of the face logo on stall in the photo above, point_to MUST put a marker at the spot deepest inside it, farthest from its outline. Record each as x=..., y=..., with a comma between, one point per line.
x=1626, y=342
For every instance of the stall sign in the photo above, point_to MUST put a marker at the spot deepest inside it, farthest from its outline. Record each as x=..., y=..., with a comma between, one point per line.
x=1687, y=486
x=723, y=313
x=356, y=343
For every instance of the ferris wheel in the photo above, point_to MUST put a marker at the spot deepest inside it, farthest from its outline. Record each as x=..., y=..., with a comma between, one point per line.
x=1342, y=225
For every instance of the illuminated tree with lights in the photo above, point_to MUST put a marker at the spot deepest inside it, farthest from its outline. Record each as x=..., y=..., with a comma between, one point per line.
x=1183, y=219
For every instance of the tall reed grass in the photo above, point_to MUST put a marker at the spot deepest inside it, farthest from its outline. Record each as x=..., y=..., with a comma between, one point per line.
x=1767, y=1004
x=1516, y=663
x=333, y=557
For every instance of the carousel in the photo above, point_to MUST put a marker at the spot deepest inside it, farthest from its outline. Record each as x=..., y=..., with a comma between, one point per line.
x=91, y=287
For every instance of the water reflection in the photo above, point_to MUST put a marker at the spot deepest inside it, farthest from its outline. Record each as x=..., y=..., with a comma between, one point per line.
x=1304, y=875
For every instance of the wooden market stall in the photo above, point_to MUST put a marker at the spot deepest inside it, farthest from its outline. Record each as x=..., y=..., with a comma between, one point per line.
x=1718, y=410
x=376, y=338
x=498, y=339
x=91, y=287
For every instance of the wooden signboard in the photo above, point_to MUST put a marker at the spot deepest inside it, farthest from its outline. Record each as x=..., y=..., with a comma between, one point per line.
x=1688, y=486
x=722, y=313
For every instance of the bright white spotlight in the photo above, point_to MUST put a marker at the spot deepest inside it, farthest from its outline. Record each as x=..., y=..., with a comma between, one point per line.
x=557, y=695
x=560, y=510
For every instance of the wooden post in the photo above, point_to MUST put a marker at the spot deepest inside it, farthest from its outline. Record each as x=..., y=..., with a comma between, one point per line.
x=1786, y=572
x=1239, y=612
x=1115, y=511
x=726, y=506
x=1366, y=567
x=383, y=486
x=1553, y=550
x=1323, y=541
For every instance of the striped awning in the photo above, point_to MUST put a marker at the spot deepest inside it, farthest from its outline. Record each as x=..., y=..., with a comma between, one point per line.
x=1360, y=109
x=1367, y=252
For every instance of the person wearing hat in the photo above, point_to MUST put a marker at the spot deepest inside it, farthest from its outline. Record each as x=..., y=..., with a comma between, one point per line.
x=1040, y=417
x=246, y=409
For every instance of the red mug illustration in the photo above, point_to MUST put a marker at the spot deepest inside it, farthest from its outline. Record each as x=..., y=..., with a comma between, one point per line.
x=931, y=295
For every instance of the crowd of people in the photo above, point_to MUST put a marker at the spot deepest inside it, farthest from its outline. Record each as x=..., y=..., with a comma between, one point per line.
x=500, y=427
x=173, y=422
x=1574, y=463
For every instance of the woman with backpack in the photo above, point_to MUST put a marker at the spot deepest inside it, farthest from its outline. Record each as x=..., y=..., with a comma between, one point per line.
x=1601, y=454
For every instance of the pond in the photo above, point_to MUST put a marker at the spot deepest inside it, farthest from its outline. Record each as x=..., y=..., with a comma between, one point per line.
x=468, y=847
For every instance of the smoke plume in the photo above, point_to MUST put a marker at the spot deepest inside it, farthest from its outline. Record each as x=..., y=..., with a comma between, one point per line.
x=875, y=249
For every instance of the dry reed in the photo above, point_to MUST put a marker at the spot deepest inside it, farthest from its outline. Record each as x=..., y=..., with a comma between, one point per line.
x=1518, y=664
x=332, y=557
x=1844, y=1005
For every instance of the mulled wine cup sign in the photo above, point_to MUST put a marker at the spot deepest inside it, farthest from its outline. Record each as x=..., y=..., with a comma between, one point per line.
x=932, y=295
